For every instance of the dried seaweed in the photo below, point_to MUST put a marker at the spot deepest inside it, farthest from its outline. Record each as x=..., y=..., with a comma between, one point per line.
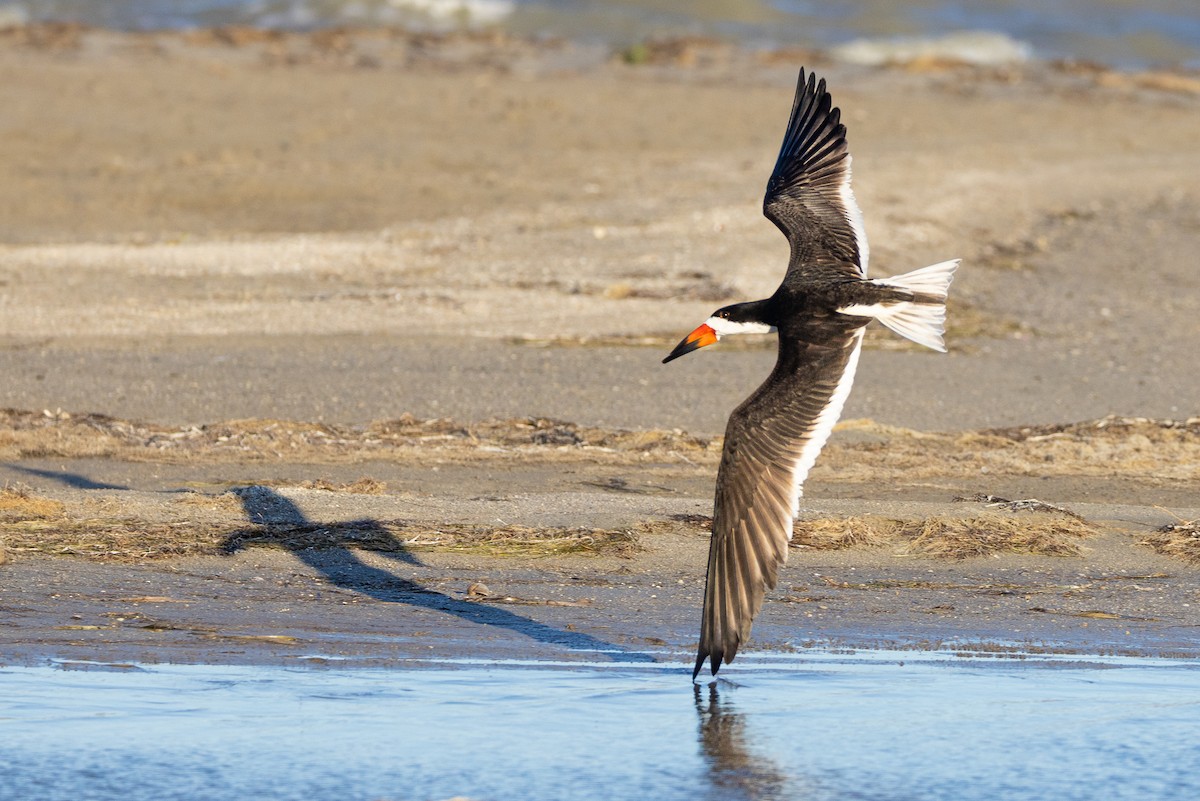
x=949, y=537
x=1179, y=540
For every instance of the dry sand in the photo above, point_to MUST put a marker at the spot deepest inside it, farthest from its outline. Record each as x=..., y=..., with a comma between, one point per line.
x=340, y=230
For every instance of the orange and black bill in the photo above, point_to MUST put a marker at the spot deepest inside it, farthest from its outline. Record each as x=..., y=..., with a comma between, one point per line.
x=704, y=335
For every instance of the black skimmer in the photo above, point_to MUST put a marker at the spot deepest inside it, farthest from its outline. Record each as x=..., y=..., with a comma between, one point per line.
x=820, y=312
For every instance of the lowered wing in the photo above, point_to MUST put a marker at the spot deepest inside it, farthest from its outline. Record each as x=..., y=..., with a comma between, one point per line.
x=771, y=442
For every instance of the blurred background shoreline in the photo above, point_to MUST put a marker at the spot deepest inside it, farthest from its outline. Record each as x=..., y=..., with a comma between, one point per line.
x=1126, y=35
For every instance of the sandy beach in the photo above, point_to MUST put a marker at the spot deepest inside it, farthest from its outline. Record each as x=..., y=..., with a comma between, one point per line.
x=348, y=343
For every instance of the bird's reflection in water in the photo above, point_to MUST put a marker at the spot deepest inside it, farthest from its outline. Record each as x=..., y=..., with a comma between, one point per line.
x=735, y=771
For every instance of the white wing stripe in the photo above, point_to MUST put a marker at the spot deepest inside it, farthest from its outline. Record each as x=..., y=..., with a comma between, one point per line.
x=855, y=217
x=822, y=427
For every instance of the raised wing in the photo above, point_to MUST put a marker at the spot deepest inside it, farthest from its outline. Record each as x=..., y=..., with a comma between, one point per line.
x=809, y=195
x=771, y=442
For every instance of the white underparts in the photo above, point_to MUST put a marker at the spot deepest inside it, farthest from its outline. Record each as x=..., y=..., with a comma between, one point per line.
x=725, y=327
x=923, y=323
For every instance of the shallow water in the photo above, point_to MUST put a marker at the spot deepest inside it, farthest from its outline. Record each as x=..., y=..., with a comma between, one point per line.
x=816, y=726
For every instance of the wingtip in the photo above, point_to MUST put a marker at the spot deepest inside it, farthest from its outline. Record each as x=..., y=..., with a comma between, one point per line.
x=714, y=659
x=809, y=84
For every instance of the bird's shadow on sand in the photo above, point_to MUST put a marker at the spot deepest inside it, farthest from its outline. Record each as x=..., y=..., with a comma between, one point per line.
x=72, y=480
x=279, y=520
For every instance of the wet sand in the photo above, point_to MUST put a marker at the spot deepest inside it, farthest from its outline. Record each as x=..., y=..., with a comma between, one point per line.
x=216, y=227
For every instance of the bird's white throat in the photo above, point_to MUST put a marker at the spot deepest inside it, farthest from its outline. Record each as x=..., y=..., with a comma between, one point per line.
x=725, y=327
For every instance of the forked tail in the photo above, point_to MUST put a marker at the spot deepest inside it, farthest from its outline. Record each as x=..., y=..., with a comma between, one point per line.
x=923, y=320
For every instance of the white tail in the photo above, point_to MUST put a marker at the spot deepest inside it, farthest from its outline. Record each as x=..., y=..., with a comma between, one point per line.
x=923, y=323
x=932, y=280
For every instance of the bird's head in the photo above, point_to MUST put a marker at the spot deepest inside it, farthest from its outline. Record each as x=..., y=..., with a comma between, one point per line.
x=740, y=318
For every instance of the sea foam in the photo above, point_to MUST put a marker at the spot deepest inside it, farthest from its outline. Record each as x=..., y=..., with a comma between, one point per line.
x=469, y=12
x=985, y=48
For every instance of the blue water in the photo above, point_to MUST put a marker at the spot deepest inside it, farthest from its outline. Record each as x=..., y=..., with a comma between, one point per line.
x=817, y=726
x=1124, y=33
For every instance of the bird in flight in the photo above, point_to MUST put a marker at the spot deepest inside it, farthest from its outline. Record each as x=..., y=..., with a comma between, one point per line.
x=820, y=312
